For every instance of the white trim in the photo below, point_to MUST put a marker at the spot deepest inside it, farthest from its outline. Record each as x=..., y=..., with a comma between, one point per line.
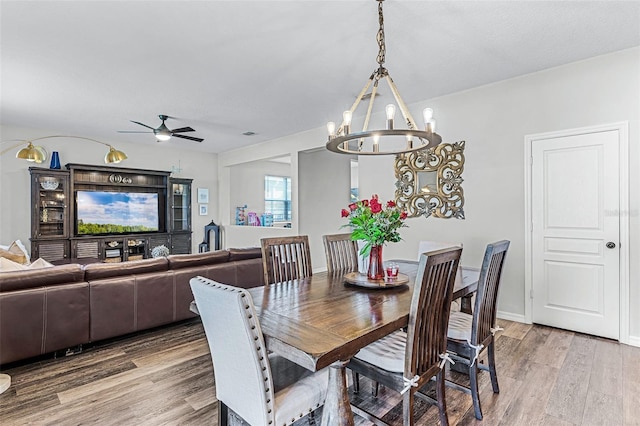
x=634, y=341
x=510, y=316
x=623, y=159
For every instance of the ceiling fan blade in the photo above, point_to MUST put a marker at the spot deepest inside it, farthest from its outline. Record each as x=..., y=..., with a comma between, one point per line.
x=137, y=122
x=131, y=131
x=188, y=137
x=182, y=130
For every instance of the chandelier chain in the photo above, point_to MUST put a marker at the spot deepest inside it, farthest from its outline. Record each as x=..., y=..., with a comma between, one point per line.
x=382, y=49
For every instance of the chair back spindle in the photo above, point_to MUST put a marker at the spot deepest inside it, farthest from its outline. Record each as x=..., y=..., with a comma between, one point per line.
x=341, y=253
x=285, y=258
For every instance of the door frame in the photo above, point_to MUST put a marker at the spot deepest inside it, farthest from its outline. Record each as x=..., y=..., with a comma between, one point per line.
x=623, y=176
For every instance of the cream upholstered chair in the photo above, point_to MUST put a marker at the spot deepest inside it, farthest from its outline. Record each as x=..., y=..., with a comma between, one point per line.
x=341, y=252
x=285, y=258
x=406, y=361
x=262, y=388
x=470, y=335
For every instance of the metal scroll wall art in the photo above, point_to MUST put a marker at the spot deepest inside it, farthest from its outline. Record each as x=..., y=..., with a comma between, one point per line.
x=428, y=182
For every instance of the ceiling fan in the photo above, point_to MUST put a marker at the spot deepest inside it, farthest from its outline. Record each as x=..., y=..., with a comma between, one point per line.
x=163, y=133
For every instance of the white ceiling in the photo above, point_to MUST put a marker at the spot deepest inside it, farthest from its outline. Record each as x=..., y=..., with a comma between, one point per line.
x=272, y=67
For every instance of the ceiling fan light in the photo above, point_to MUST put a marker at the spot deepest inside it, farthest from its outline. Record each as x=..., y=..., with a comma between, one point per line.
x=114, y=156
x=163, y=136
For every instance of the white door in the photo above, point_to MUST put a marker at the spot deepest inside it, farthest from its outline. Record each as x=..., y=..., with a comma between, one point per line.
x=576, y=233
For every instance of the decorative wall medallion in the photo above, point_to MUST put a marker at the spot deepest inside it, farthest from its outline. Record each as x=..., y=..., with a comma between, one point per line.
x=119, y=179
x=428, y=182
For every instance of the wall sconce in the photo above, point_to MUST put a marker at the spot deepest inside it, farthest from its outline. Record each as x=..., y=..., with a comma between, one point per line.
x=37, y=154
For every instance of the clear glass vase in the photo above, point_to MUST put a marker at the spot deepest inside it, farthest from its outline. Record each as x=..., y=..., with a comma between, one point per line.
x=376, y=270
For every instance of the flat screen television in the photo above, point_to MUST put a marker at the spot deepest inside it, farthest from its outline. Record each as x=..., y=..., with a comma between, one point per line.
x=106, y=212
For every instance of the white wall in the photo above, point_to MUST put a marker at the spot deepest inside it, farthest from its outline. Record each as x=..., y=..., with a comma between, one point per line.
x=15, y=189
x=247, y=184
x=493, y=120
x=324, y=179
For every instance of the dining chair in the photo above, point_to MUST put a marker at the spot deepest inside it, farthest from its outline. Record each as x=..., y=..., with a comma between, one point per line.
x=285, y=258
x=341, y=252
x=263, y=388
x=426, y=246
x=406, y=361
x=469, y=335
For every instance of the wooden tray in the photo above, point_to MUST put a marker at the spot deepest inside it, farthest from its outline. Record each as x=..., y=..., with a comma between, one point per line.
x=355, y=278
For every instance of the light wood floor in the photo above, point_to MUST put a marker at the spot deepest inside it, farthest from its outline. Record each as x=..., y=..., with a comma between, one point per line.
x=165, y=377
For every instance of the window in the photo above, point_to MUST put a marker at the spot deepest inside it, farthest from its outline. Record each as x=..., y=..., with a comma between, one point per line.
x=277, y=197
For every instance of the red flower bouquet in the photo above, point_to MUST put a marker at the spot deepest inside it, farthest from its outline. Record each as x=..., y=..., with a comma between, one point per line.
x=374, y=223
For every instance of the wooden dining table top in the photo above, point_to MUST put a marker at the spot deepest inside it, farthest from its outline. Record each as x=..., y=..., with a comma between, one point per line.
x=318, y=320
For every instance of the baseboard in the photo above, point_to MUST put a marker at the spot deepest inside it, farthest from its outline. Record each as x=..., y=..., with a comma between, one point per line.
x=510, y=316
x=634, y=341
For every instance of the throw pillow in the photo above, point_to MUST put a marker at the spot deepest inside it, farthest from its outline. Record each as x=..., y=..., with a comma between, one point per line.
x=16, y=252
x=7, y=265
x=40, y=263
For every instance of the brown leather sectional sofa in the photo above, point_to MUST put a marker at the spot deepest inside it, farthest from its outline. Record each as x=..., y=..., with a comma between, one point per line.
x=52, y=309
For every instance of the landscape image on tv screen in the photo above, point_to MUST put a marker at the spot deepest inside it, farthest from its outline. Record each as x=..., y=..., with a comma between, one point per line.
x=102, y=212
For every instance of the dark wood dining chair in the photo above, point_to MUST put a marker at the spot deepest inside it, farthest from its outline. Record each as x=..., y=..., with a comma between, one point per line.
x=406, y=361
x=261, y=387
x=470, y=335
x=341, y=253
x=285, y=258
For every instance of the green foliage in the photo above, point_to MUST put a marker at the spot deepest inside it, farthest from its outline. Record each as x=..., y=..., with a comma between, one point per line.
x=98, y=228
x=374, y=223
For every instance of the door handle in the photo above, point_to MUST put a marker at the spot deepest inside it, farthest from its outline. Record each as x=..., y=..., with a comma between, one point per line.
x=611, y=245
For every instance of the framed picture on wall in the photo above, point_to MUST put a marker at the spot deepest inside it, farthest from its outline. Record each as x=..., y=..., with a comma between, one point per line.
x=204, y=209
x=203, y=195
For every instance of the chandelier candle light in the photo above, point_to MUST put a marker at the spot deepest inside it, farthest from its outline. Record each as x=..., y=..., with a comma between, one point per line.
x=370, y=142
x=375, y=224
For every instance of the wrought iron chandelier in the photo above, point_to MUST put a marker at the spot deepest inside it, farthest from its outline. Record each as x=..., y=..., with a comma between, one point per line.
x=386, y=141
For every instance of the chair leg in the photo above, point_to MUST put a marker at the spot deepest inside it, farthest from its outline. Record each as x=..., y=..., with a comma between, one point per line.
x=356, y=381
x=375, y=389
x=442, y=402
x=407, y=408
x=223, y=414
x=492, y=367
x=473, y=386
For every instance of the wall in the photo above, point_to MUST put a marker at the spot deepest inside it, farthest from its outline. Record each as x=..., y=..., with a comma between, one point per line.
x=494, y=120
x=324, y=180
x=15, y=213
x=247, y=183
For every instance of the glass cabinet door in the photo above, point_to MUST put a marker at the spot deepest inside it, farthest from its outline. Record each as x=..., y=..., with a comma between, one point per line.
x=51, y=204
x=181, y=205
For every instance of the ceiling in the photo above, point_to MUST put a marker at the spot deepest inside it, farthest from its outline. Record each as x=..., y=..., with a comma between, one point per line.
x=275, y=68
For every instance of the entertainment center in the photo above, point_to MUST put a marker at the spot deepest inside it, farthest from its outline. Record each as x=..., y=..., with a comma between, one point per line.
x=109, y=214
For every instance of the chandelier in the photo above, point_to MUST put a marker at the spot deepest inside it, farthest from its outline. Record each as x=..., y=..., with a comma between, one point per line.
x=386, y=141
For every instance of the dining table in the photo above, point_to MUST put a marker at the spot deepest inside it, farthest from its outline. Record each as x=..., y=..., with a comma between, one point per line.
x=323, y=320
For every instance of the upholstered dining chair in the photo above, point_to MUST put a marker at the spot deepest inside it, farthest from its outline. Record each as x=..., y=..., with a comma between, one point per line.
x=469, y=335
x=406, y=361
x=285, y=258
x=341, y=253
x=262, y=388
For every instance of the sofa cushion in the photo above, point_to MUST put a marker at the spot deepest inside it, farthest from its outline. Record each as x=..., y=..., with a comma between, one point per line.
x=32, y=278
x=179, y=261
x=96, y=271
x=244, y=253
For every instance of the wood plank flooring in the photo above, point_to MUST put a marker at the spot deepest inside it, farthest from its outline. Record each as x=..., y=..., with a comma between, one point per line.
x=165, y=377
